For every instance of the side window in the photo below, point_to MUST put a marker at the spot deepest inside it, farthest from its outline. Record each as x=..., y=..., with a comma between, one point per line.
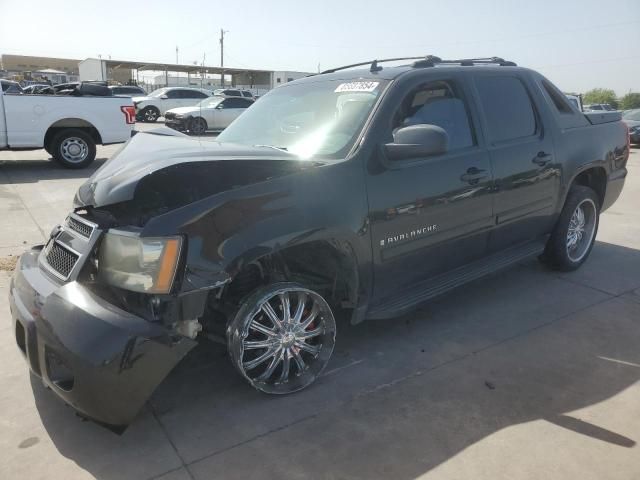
x=507, y=108
x=441, y=104
x=559, y=100
x=174, y=94
x=194, y=94
x=235, y=103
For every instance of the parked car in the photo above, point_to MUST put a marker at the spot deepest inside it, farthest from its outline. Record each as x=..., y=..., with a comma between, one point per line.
x=212, y=114
x=153, y=106
x=599, y=107
x=9, y=86
x=362, y=193
x=632, y=119
x=37, y=89
x=127, y=90
x=67, y=127
x=232, y=92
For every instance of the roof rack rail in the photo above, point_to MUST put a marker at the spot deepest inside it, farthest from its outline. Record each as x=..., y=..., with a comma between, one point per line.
x=374, y=63
x=427, y=61
x=465, y=62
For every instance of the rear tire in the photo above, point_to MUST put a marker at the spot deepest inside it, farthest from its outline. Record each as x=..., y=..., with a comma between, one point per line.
x=282, y=337
x=73, y=148
x=150, y=114
x=575, y=232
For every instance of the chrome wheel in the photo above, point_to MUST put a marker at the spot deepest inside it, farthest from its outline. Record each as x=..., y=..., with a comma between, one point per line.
x=74, y=150
x=282, y=338
x=198, y=126
x=582, y=227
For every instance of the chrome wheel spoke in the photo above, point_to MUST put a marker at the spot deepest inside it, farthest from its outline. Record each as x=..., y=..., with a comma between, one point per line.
x=258, y=327
x=271, y=314
x=312, y=349
x=312, y=316
x=310, y=333
x=271, y=368
x=286, y=366
x=297, y=316
x=297, y=357
x=253, y=345
x=251, y=364
x=286, y=308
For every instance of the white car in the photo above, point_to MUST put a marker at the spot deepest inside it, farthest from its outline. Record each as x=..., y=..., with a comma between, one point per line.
x=156, y=104
x=212, y=114
x=67, y=127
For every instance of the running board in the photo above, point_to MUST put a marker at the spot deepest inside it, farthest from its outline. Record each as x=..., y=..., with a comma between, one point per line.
x=436, y=286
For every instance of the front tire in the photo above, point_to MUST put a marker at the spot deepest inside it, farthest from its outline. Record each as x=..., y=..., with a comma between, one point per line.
x=282, y=337
x=198, y=126
x=73, y=148
x=574, y=235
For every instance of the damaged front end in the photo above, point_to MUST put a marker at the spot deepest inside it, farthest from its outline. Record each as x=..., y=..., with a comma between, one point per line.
x=103, y=350
x=114, y=300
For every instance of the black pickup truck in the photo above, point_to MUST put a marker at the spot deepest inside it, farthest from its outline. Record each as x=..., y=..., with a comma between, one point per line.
x=355, y=193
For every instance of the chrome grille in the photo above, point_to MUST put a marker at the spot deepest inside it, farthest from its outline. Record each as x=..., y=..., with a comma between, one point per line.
x=60, y=259
x=77, y=226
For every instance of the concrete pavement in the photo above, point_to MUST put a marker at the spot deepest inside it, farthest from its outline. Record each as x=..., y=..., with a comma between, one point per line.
x=528, y=374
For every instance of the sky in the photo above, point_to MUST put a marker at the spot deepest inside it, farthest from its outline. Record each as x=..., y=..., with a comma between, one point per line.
x=578, y=45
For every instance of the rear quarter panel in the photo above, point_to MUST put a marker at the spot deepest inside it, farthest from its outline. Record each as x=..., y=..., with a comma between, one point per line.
x=28, y=117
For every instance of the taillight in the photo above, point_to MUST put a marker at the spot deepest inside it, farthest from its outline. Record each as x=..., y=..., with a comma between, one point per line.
x=129, y=114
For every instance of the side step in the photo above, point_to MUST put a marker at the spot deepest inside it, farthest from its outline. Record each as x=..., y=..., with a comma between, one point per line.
x=436, y=286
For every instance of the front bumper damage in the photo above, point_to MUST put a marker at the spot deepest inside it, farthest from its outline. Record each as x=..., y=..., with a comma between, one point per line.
x=99, y=359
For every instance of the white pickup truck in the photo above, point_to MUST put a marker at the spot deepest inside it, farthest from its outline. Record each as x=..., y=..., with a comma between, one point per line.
x=68, y=127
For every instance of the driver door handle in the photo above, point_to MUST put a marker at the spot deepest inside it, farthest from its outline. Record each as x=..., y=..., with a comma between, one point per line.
x=473, y=175
x=542, y=158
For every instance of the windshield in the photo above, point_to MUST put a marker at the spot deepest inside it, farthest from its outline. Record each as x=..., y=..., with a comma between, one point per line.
x=157, y=93
x=322, y=118
x=210, y=102
x=632, y=115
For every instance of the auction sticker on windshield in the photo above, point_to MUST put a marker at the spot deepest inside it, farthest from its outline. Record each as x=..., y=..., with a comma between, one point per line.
x=357, y=87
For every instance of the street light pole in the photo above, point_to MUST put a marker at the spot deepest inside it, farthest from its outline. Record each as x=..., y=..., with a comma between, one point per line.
x=222, y=32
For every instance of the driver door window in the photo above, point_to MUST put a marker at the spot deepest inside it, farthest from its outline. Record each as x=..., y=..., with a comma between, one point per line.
x=439, y=104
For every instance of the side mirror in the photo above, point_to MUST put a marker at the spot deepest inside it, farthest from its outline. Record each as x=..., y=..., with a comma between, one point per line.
x=417, y=141
x=164, y=97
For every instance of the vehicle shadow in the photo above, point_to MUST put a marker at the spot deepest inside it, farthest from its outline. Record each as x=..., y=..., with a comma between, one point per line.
x=402, y=396
x=42, y=167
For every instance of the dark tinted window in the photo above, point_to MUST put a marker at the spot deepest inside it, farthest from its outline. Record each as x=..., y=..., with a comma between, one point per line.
x=247, y=94
x=507, y=108
x=440, y=104
x=174, y=94
x=193, y=94
x=236, y=103
x=558, y=99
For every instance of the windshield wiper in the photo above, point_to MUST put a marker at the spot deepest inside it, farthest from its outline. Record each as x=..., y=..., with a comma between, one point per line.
x=282, y=149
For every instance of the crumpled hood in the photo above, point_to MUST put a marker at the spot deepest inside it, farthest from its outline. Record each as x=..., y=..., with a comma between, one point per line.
x=166, y=167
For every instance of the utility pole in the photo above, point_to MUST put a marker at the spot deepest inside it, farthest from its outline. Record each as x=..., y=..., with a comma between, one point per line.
x=222, y=32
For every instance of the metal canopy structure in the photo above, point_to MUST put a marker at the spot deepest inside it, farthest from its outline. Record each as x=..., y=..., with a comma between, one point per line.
x=243, y=75
x=182, y=68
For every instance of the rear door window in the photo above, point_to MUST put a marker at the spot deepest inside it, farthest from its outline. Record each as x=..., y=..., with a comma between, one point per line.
x=507, y=108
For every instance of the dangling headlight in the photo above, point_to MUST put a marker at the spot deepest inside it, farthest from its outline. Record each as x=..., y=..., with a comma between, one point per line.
x=139, y=264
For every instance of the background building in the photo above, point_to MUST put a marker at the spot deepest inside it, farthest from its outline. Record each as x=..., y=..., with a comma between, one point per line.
x=28, y=69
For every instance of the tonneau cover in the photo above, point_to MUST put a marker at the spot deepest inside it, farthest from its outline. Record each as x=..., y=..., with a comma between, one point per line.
x=603, y=117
